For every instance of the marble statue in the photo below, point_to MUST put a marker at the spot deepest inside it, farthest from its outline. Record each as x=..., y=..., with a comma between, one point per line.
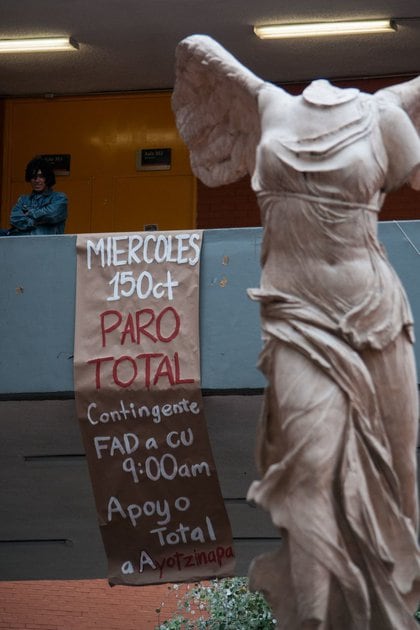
x=337, y=436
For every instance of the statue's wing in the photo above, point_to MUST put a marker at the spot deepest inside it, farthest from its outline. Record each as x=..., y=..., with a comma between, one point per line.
x=407, y=96
x=216, y=111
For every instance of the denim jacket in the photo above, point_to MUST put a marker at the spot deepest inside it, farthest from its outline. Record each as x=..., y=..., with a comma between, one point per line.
x=39, y=213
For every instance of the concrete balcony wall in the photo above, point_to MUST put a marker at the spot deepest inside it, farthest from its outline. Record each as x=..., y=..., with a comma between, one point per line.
x=48, y=526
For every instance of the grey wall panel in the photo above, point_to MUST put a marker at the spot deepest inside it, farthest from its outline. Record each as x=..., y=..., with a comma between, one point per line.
x=402, y=242
x=249, y=522
x=82, y=558
x=31, y=428
x=232, y=422
x=248, y=549
x=48, y=523
x=44, y=501
x=37, y=313
x=49, y=428
x=229, y=321
x=37, y=306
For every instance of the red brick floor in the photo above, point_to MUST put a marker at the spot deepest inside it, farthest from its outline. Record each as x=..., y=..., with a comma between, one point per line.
x=83, y=605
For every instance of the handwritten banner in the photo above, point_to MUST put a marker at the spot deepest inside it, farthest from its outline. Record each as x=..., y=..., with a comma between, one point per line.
x=137, y=383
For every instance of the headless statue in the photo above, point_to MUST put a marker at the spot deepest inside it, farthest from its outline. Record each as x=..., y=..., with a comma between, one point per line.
x=337, y=437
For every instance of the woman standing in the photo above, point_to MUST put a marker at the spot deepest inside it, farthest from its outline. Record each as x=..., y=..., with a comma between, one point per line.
x=43, y=211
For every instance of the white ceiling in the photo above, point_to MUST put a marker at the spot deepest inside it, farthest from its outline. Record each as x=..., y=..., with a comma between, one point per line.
x=129, y=44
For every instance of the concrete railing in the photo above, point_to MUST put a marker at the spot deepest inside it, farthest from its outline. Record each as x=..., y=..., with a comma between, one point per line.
x=48, y=523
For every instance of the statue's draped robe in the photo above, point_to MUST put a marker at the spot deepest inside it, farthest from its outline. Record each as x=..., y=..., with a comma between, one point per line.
x=340, y=368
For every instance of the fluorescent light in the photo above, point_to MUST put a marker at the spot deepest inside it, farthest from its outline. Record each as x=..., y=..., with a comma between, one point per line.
x=37, y=44
x=319, y=29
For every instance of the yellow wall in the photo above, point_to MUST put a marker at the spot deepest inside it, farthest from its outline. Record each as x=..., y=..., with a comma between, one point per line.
x=102, y=135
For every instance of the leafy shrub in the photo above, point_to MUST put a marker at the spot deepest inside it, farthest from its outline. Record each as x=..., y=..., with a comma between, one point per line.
x=224, y=604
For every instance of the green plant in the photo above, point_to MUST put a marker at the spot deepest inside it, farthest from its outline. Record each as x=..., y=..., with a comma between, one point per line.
x=225, y=604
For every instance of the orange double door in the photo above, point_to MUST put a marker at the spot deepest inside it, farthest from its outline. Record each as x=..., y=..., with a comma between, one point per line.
x=107, y=186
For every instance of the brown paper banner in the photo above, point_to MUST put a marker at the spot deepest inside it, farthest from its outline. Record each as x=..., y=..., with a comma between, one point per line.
x=137, y=383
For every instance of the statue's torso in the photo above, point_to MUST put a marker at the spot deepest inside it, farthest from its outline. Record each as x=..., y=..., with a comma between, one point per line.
x=319, y=174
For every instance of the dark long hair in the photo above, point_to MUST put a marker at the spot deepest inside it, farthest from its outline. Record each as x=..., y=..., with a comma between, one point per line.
x=39, y=164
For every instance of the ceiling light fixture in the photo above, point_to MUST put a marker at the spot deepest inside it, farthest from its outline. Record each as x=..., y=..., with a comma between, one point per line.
x=37, y=44
x=320, y=29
